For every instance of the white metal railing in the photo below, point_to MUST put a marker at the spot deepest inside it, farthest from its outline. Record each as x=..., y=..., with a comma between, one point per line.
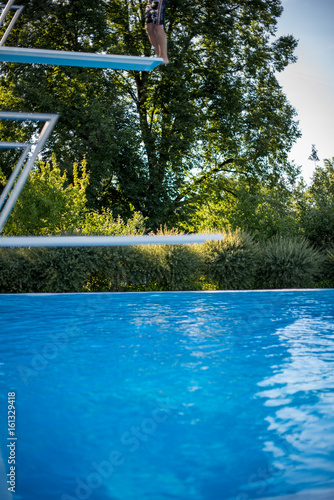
x=104, y=241
x=12, y=190
x=6, y=8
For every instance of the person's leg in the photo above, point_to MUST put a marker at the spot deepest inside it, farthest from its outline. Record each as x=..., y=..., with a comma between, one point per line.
x=155, y=19
x=151, y=36
x=157, y=37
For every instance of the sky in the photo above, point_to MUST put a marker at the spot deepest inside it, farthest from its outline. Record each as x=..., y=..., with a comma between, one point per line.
x=309, y=83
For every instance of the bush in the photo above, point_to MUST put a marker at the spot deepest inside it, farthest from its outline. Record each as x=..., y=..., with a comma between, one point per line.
x=232, y=262
x=326, y=279
x=104, y=223
x=135, y=268
x=15, y=271
x=172, y=267
x=45, y=270
x=118, y=269
x=237, y=262
x=330, y=262
x=149, y=267
x=48, y=204
x=63, y=270
x=288, y=262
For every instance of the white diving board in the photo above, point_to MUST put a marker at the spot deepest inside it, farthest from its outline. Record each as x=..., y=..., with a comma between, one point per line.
x=81, y=59
x=103, y=241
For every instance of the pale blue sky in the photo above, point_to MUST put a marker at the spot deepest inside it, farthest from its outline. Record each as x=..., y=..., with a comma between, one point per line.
x=309, y=84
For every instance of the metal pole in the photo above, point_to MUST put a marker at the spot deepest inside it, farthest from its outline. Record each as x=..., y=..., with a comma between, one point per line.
x=5, y=11
x=105, y=241
x=11, y=25
x=17, y=169
x=50, y=122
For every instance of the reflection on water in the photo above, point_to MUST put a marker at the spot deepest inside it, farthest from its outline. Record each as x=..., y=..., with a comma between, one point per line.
x=302, y=393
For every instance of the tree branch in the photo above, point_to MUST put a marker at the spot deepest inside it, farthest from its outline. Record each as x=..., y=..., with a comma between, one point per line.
x=128, y=85
x=205, y=176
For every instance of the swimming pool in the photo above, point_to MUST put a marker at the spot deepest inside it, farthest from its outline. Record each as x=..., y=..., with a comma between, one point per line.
x=154, y=396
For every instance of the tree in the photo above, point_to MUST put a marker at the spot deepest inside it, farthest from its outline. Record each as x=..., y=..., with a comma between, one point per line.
x=150, y=138
x=314, y=155
x=235, y=203
x=316, y=206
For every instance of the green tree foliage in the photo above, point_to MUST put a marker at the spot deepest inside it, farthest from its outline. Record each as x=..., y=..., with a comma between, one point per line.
x=316, y=206
x=314, y=154
x=264, y=209
x=104, y=223
x=231, y=202
x=150, y=138
x=48, y=203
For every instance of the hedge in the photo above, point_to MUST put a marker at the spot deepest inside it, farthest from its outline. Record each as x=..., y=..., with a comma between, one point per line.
x=237, y=262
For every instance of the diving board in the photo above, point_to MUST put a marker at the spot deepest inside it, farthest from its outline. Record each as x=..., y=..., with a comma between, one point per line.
x=104, y=241
x=81, y=59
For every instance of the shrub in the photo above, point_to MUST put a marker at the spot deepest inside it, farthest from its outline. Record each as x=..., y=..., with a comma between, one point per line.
x=15, y=271
x=289, y=262
x=330, y=262
x=63, y=270
x=232, y=262
x=150, y=267
x=326, y=278
x=48, y=204
x=104, y=223
x=118, y=268
x=44, y=270
x=237, y=262
x=172, y=267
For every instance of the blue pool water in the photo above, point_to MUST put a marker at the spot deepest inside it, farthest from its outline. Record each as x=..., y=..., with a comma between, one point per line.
x=156, y=396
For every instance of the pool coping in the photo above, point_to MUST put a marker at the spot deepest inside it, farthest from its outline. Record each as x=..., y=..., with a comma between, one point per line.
x=160, y=292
